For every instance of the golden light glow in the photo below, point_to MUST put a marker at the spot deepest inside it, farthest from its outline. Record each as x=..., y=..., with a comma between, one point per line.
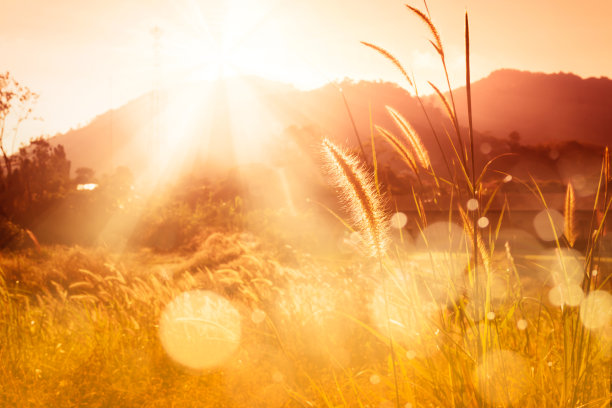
x=481, y=302
x=566, y=294
x=399, y=220
x=566, y=267
x=87, y=187
x=548, y=224
x=596, y=310
x=216, y=39
x=200, y=329
x=505, y=377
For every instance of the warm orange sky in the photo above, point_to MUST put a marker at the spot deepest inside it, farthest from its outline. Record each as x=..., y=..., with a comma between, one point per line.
x=83, y=57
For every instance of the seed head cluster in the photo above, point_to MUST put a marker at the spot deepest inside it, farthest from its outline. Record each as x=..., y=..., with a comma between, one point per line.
x=360, y=196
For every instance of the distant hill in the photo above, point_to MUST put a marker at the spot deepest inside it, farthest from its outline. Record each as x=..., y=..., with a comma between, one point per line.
x=541, y=108
x=250, y=116
x=251, y=119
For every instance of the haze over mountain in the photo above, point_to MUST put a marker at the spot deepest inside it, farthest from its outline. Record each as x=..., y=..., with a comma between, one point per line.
x=542, y=108
x=245, y=119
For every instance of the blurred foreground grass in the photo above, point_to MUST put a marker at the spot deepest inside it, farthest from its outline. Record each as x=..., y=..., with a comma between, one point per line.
x=80, y=327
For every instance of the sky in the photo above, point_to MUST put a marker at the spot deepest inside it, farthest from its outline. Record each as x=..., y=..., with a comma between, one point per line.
x=85, y=57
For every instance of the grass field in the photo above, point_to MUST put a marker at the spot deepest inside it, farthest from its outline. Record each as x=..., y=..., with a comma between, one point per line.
x=81, y=327
x=269, y=309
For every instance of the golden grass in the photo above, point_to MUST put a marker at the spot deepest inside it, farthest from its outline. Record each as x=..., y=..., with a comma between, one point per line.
x=360, y=194
x=437, y=43
x=482, y=248
x=569, y=215
x=411, y=136
x=399, y=147
x=451, y=114
x=391, y=58
x=424, y=327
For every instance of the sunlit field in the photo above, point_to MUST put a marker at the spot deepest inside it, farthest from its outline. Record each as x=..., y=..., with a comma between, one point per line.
x=377, y=271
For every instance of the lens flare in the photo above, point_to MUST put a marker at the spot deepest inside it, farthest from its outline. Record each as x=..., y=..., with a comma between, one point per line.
x=548, y=225
x=442, y=236
x=472, y=204
x=485, y=148
x=483, y=222
x=605, y=342
x=566, y=295
x=518, y=241
x=399, y=220
x=498, y=293
x=278, y=377
x=200, y=329
x=596, y=310
x=504, y=376
x=566, y=267
x=309, y=312
x=407, y=310
x=258, y=316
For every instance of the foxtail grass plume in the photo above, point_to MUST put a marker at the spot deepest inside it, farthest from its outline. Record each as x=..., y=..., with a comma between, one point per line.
x=437, y=43
x=482, y=249
x=398, y=146
x=391, y=58
x=360, y=196
x=568, y=214
x=410, y=134
x=447, y=107
x=607, y=179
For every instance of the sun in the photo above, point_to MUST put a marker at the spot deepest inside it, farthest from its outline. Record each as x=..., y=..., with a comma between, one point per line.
x=208, y=105
x=212, y=40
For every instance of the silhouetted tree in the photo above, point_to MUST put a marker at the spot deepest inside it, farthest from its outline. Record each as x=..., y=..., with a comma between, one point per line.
x=15, y=107
x=39, y=177
x=84, y=175
x=514, y=140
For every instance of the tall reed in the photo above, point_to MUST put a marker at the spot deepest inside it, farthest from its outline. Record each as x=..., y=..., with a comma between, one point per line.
x=472, y=315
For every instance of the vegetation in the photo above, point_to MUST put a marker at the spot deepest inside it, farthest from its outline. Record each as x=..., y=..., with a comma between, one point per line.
x=217, y=302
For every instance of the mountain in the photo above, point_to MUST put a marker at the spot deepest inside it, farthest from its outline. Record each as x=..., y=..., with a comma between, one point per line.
x=233, y=120
x=541, y=108
x=240, y=120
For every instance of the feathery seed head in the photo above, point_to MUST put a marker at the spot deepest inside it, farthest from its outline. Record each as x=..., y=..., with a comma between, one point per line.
x=412, y=137
x=437, y=43
x=606, y=165
x=447, y=107
x=391, y=58
x=482, y=248
x=360, y=196
x=397, y=145
x=569, y=211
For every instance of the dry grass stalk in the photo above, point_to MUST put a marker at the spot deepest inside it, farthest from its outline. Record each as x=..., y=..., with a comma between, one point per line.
x=447, y=107
x=414, y=140
x=482, y=249
x=606, y=166
x=391, y=58
x=569, y=212
x=438, y=42
x=360, y=196
x=398, y=146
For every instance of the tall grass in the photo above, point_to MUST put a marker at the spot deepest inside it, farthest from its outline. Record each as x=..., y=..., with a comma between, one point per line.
x=443, y=318
x=490, y=354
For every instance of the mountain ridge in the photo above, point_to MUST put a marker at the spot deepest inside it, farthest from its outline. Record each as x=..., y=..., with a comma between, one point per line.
x=536, y=108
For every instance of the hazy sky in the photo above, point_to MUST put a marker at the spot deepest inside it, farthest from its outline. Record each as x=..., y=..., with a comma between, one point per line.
x=84, y=57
